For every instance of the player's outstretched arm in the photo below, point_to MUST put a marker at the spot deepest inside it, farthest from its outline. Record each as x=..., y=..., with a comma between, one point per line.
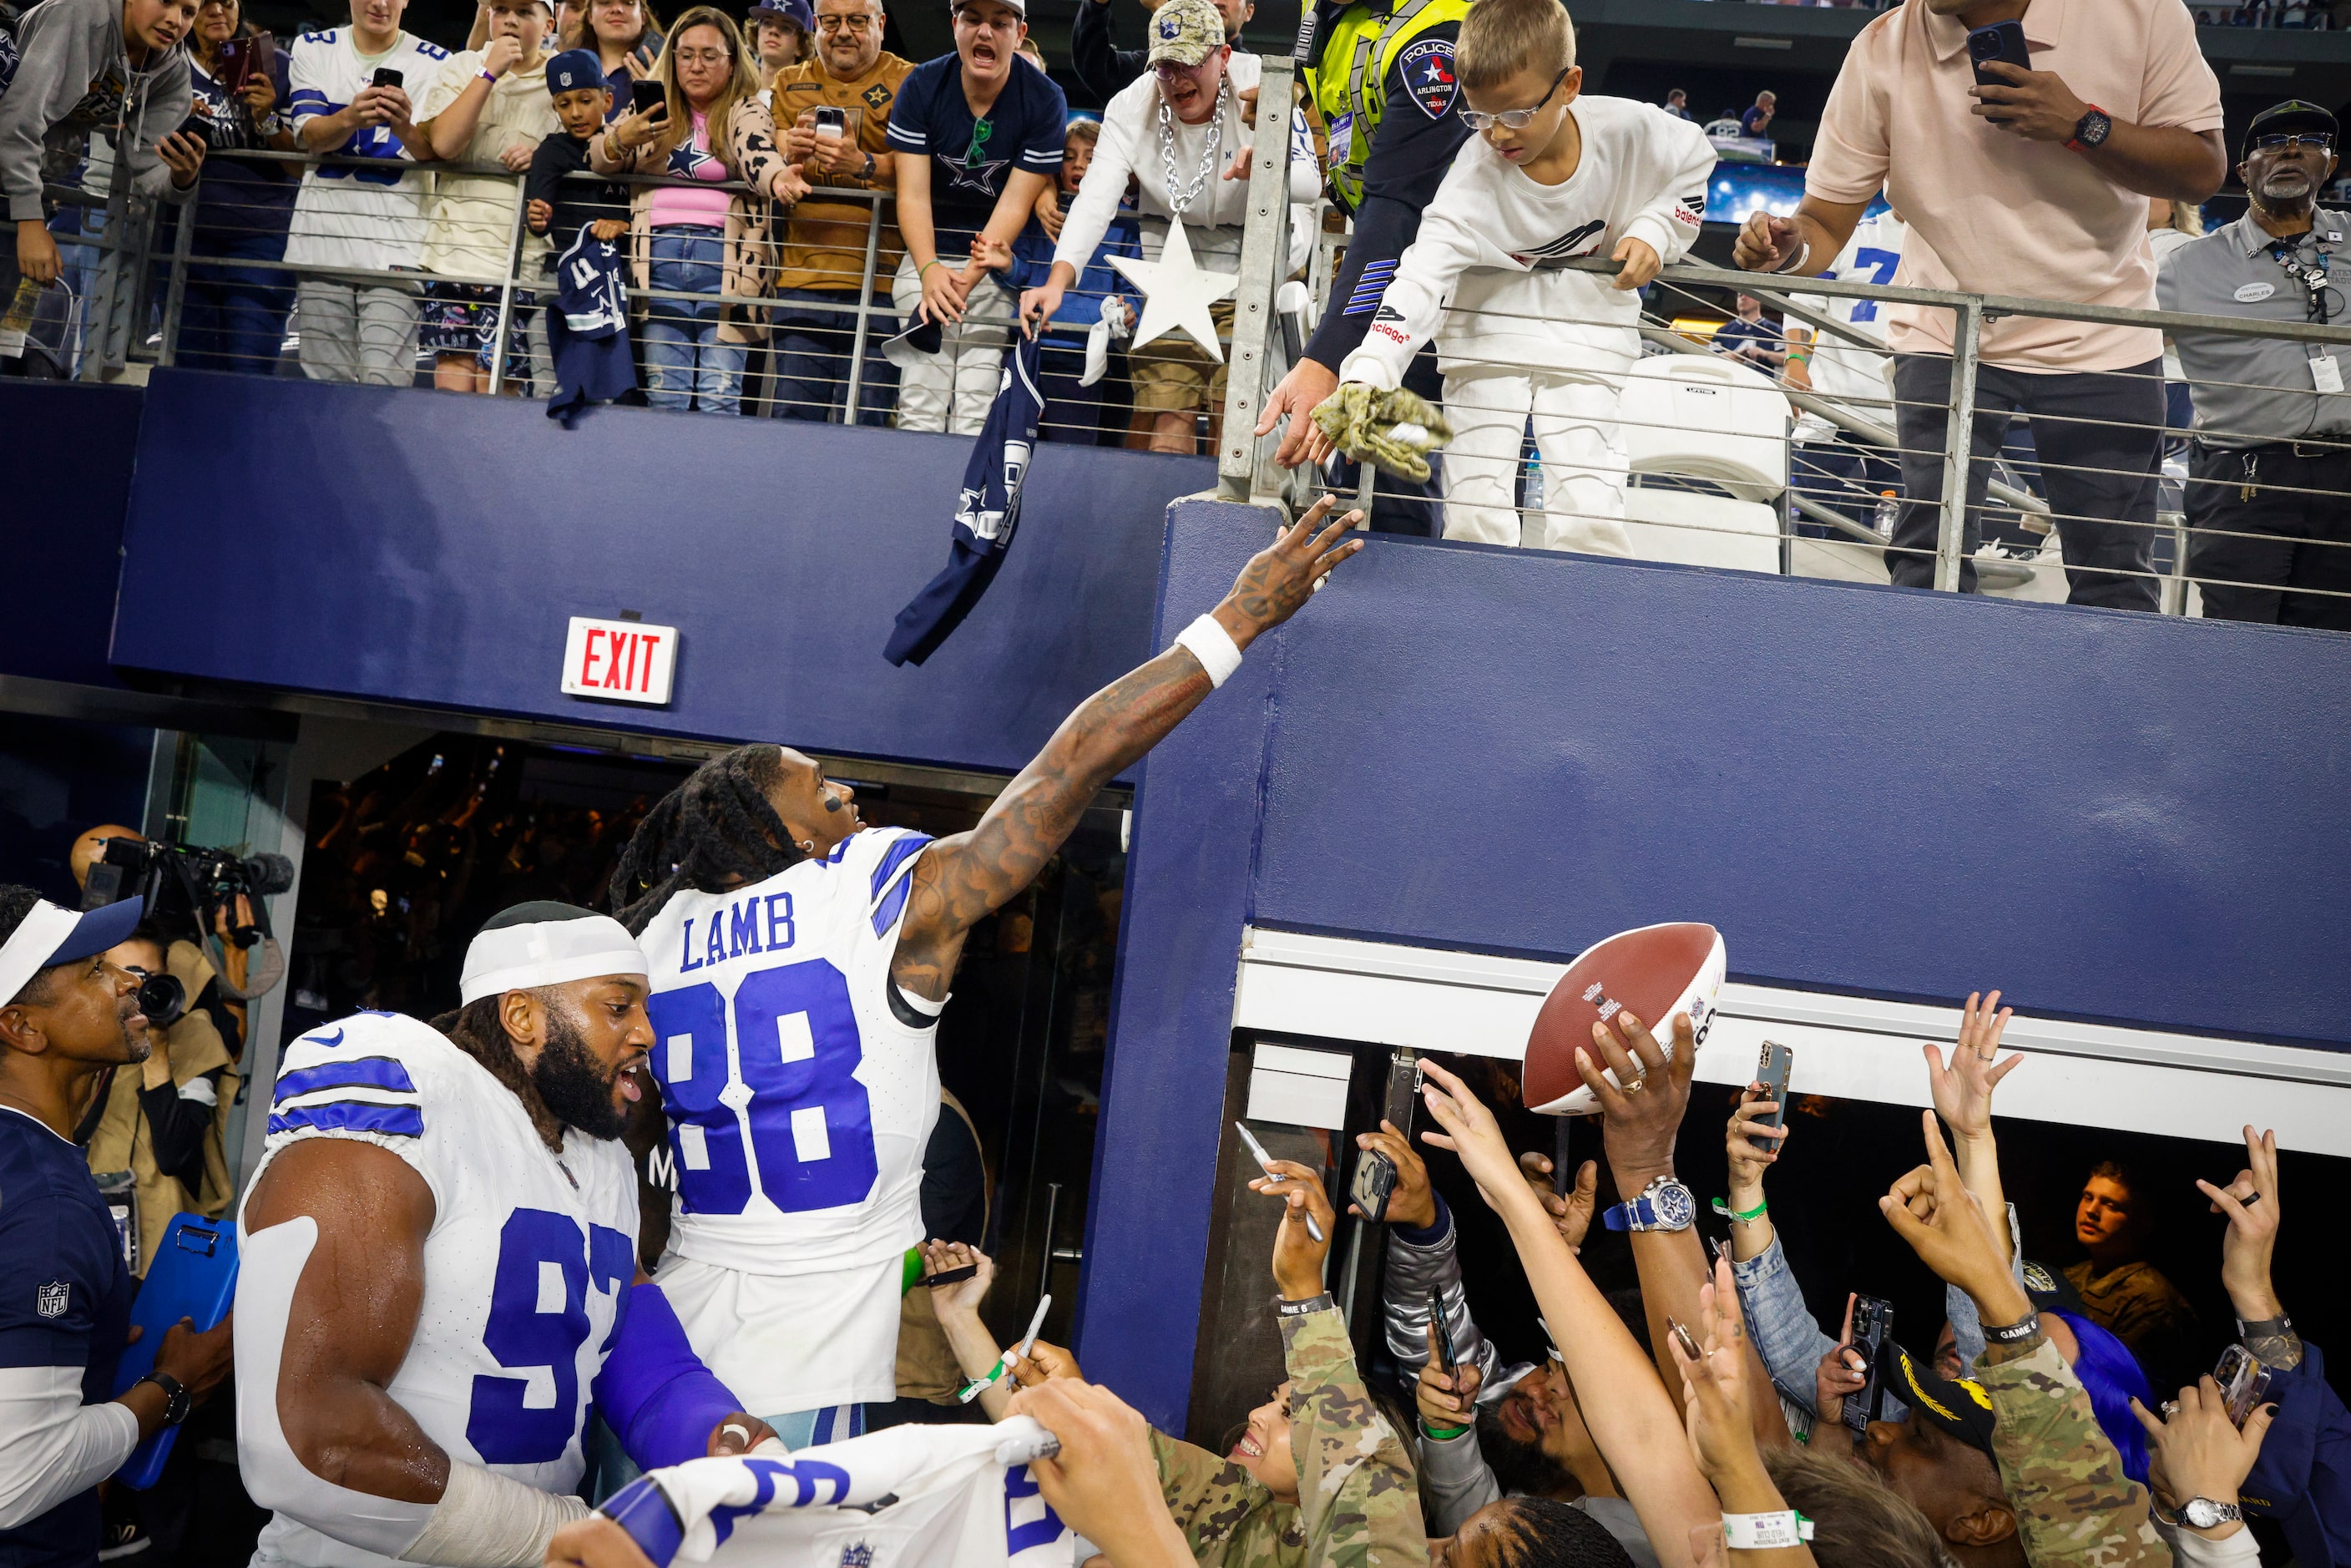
x=961, y=880
x=354, y=1311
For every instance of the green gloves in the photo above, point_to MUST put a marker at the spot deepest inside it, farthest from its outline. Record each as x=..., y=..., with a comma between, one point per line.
x=1394, y=430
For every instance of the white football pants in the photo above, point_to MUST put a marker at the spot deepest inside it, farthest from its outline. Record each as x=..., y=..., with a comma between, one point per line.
x=1575, y=433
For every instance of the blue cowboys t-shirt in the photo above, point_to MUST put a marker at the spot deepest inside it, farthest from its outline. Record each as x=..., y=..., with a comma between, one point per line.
x=972, y=160
x=65, y=1300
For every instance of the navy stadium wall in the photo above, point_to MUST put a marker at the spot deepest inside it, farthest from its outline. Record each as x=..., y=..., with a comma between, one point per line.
x=70, y=451
x=1878, y=790
x=429, y=551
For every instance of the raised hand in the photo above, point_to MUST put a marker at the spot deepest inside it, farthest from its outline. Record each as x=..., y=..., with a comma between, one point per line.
x=1446, y=1400
x=1714, y=1385
x=2252, y=1206
x=1279, y=577
x=1413, y=1202
x=1962, y=1086
x=1572, y=1214
x=1932, y=1210
x=1297, y=1256
x=1644, y=1116
x=1470, y=1132
x=964, y=1295
x=1751, y=1146
x=1840, y=1375
x=2197, y=1451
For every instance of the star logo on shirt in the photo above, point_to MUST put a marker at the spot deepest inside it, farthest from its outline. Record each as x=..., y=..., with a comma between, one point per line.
x=980, y=178
x=686, y=162
x=877, y=97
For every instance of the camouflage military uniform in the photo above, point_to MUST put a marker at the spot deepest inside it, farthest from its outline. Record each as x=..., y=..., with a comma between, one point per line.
x=1357, y=1504
x=2074, y=1507
x=2134, y=1301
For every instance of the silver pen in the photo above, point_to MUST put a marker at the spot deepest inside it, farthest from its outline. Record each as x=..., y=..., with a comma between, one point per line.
x=1265, y=1162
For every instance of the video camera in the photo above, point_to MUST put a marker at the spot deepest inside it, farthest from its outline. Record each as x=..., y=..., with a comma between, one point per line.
x=186, y=887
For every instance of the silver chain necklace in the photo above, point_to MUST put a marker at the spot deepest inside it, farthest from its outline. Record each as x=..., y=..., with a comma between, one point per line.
x=1181, y=197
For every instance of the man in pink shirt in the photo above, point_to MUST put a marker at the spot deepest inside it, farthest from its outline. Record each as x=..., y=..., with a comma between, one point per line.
x=2035, y=183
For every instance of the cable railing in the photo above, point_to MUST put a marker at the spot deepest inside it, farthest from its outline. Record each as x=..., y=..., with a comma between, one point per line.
x=2109, y=504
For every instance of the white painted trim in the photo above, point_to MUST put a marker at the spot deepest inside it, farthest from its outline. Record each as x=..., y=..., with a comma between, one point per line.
x=2099, y=1075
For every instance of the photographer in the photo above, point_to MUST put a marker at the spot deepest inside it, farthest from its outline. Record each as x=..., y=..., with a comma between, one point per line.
x=163, y=1124
x=68, y=1014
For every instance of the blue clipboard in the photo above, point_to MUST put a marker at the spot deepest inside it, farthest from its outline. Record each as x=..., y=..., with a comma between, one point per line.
x=193, y=1276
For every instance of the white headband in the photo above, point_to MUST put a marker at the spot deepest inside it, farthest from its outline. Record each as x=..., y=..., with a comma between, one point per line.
x=548, y=952
x=26, y=952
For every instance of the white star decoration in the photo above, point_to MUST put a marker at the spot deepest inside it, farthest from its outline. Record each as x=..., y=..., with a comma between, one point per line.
x=1176, y=294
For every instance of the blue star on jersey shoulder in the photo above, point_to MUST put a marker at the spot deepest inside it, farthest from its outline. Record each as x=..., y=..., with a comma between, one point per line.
x=1427, y=71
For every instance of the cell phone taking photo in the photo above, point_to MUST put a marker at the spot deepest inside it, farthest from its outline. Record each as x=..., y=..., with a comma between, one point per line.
x=385, y=76
x=1374, y=1183
x=2001, y=43
x=644, y=97
x=1872, y=1324
x=2242, y=1382
x=830, y=120
x=1772, y=1071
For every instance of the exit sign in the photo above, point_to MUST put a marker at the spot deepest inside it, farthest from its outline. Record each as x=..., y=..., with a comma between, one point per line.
x=620, y=661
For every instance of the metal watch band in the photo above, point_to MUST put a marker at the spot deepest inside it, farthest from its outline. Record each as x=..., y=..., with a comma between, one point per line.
x=1300, y=1309
x=2203, y=1513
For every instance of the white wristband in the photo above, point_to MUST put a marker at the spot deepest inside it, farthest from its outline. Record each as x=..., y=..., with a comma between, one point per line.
x=1210, y=643
x=1765, y=1531
x=484, y=1520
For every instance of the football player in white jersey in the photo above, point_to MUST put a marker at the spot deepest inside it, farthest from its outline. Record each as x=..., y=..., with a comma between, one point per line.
x=439, y=1266
x=799, y=963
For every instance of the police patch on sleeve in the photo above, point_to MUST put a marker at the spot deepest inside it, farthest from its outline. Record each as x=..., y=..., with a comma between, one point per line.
x=1427, y=71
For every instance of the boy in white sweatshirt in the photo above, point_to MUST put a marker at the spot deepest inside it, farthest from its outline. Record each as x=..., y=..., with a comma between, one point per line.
x=1551, y=177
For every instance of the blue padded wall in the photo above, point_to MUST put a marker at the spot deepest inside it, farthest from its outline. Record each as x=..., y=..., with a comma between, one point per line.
x=2110, y=816
x=428, y=550
x=70, y=459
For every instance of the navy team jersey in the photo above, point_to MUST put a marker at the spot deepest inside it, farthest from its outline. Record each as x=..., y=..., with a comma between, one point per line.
x=65, y=1300
x=972, y=160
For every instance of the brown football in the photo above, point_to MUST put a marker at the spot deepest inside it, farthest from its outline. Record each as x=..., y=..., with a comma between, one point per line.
x=1656, y=971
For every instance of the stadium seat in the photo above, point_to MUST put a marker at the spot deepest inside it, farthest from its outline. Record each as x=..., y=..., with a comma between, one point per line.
x=1707, y=418
x=1692, y=528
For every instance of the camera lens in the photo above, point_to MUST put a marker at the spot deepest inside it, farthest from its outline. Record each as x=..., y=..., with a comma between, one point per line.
x=162, y=998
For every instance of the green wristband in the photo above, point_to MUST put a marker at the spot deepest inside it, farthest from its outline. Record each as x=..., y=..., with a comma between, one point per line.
x=1722, y=1205
x=1441, y=1433
x=934, y=261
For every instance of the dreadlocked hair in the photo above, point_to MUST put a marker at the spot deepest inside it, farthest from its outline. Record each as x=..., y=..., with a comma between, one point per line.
x=713, y=831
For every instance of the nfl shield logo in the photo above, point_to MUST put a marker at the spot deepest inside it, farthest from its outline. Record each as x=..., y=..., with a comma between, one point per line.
x=51, y=1299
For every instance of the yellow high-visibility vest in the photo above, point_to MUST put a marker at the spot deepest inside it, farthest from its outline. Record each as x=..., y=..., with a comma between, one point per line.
x=1347, y=83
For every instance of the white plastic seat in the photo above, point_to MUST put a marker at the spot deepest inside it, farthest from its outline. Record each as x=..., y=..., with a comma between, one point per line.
x=1698, y=529
x=1707, y=418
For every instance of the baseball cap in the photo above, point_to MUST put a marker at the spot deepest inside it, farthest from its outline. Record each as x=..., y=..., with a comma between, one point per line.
x=1959, y=1407
x=2287, y=118
x=573, y=70
x=801, y=14
x=2050, y=1291
x=1185, y=31
x=1019, y=7
x=50, y=936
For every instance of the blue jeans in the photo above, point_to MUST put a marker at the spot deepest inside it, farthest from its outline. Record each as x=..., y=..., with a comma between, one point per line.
x=234, y=318
x=812, y=349
x=685, y=364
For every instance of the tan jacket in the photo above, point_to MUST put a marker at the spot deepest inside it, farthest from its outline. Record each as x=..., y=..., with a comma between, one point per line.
x=824, y=243
x=122, y=1141
x=752, y=153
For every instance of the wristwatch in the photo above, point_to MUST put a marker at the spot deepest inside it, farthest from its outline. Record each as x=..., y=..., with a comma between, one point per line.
x=866, y=174
x=2203, y=1513
x=1664, y=1205
x=2091, y=129
x=176, y=1403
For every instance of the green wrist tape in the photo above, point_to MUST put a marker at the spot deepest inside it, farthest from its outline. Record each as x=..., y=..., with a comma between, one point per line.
x=910, y=1274
x=1442, y=1434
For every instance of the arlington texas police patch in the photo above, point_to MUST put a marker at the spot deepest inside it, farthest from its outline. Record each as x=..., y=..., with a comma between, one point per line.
x=1428, y=70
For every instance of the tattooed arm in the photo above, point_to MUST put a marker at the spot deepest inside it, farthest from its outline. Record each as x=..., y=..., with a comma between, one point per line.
x=961, y=880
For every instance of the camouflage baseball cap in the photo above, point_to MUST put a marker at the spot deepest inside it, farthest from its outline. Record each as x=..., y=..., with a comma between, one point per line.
x=1185, y=31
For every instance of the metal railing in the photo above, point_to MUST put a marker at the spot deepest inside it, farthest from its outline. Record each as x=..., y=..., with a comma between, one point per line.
x=2009, y=532
x=821, y=353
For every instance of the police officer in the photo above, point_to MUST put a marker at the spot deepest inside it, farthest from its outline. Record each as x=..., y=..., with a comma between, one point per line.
x=2269, y=492
x=1381, y=78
